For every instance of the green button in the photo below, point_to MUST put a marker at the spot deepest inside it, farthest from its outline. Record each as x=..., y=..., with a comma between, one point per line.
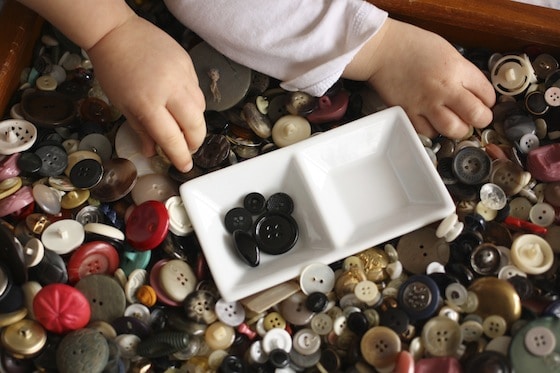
x=530, y=350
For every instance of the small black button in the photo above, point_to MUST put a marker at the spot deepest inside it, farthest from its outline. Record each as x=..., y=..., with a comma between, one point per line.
x=238, y=218
x=29, y=163
x=394, y=318
x=53, y=160
x=358, y=323
x=280, y=202
x=254, y=202
x=316, y=302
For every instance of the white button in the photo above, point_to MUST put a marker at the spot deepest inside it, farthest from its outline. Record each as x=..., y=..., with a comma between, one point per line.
x=552, y=96
x=276, y=338
x=138, y=311
x=509, y=271
x=179, y=222
x=46, y=83
x=441, y=336
x=471, y=304
x=394, y=269
x=340, y=325
x=230, y=313
x=435, y=267
x=471, y=330
x=531, y=254
x=156, y=187
x=540, y=341
x=259, y=327
x=128, y=145
x=127, y=343
x=177, y=279
x=63, y=236
x=306, y=341
x=322, y=324
x=494, y=326
x=486, y=212
x=528, y=142
x=492, y=196
x=48, y=199
x=136, y=279
x=317, y=277
x=367, y=292
x=542, y=214
x=104, y=230
x=456, y=294
x=33, y=252
x=256, y=353
x=97, y=143
x=16, y=135
x=449, y=228
x=519, y=207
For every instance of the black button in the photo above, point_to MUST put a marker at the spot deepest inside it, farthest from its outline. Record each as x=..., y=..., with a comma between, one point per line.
x=471, y=165
x=488, y=361
x=316, y=302
x=395, y=319
x=358, y=323
x=238, y=218
x=276, y=233
x=48, y=108
x=278, y=358
x=86, y=173
x=254, y=202
x=131, y=325
x=213, y=152
x=29, y=163
x=232, y=364
x=11, y=255
x=247, y=248
x=280, y=202
x=485, y=260
x=51, y=269
x=53, y=160
x=474, y=222
x=523, y=286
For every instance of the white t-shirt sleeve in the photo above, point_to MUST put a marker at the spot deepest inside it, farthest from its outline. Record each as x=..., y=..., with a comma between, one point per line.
x=306, y=44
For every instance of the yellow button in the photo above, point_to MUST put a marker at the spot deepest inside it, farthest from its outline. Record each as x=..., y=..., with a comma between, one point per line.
x=274, y=320
x=219, y=336
x=146, y=295
x=12, y=317
x=347, y=281
x=24, y=339
x=74, y=199
x=9, y=186
x=496, y=297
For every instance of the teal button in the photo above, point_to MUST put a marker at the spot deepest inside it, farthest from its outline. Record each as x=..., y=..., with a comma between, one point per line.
x=535, y=347
x=132, y=259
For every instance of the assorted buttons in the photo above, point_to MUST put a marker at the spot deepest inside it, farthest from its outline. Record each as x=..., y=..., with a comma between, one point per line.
x=100, y=268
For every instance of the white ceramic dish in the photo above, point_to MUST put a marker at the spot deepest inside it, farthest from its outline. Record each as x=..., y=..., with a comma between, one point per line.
x=353, y=187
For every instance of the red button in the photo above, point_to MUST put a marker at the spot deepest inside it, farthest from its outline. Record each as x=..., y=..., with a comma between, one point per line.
x=147, y=225
x=96, y=257
x=61, y=308
x=330, y=108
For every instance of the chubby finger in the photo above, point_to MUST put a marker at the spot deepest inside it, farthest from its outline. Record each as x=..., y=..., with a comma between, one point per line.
x=423, y=126
x=447, y=122
x=190, y=118
x=479, y=85
x=470, y=109
x=148, y=144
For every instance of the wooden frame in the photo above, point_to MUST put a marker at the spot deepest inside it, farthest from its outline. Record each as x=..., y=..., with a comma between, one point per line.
x=500, y=25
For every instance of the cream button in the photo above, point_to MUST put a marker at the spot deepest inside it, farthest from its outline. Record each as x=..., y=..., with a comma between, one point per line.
x=179, y=222
x=63, y=236
x=531, y=254
x=509, y=271
x=542, y=214
x=128, y=344
x=450, y=228
x=352, y=262
x=256, y=353
x=33, y=252
x=219, y=336
x=177, y=279
x=104, y=230
x=486, y=212
x=290, y=129
x=471, y=330
x=277, y=339
x=46, y=83
x=274, y=320
x=9, y=186
x=456, y=294
x=520, y=207
x=48, y=199
x=512, y=74
x=321, y=324
x=317, y=277
x=306, y=341
x=380, y=346
x=441, y=336
x=16, y=135
x=367, y=292
x=340, y=325
x=494, y=326
x=153, y=187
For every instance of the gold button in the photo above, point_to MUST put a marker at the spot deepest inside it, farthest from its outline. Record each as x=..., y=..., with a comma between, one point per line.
x=37, y=222
x=12, y=317
x=347, y=281
x=9, y=186
x=74, y=199
x=496, y=297
x=375, y=261
x=24, y=339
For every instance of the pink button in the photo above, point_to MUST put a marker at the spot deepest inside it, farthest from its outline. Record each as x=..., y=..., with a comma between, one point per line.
x=16, y=201
x=330, y=108
x=438, y=364
x=8, y=167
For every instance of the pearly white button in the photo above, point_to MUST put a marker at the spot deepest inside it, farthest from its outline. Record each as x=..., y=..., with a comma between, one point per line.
x=317, y=277
x=179, y=222
x=63, y=236
x=276, y=338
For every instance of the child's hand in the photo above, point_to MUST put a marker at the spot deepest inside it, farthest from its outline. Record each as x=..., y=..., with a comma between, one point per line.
x=440, y=90
x=151, y=79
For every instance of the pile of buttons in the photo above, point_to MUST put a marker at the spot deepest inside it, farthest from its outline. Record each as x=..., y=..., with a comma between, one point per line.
x=100, y=270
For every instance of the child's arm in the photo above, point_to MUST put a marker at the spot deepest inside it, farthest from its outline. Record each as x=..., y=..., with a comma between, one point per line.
x=440, y=90
x=143, y=71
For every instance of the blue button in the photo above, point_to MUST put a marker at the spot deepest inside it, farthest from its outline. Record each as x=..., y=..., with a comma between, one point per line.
x=419, y=297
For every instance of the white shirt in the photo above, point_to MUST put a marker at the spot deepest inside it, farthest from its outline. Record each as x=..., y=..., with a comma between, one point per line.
x=306, y=44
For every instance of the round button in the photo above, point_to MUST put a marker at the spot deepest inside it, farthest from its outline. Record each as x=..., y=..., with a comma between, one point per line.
x=179, y=222
x=494, y=326
x=421, y=247
x=96, y=257
x=254, y=203
x=105, y=296
x=177, y=279
x=54, y=160
x=147, y=225
x=540, y=341
x=367, y=292
x=294, y=309
x=213, y=152
x=532, y=254
x=48, y=108
x=471, y=330
x=74, y=198
x=528, y=142
x=47, y=198
x=317, y=277
x=86, y=173
x=441, y=336
x=16, y=135
x=63, y=236
x=419, y=297
x=230, y=313
x=492, y=196
x=520, y=207
x=78, y=156
x=496, y=297
x=61, y=308
x=9, y=186
x=509, y=176
x=471, y=165
x=306, y=341
x=521, y=354
x=486, y=259
x=97, y=143
x=274, y=320
x=219, y=336
x=280, y=202
x=119, y=178
x=276, y=233
x=552, y=96
x=544, y=64
x=82, y=350
x=456, y=294
x=200, y=307
x=24, y=338
x=380, y=347
x=322, y=324
x=238, y=218
x=450, y=228
x=290, y=129
x=542, y=214
x=276, y=338
x=512, y=74
x=153, y=187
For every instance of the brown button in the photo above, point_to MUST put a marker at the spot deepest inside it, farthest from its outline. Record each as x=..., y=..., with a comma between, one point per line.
x=223, y=81
x=24, y=339
x=419, y=248
x=496, y=297
x=509, y=176
x=48, y=108
x=380, y=347
x=213, y=152
x=95, y=110
x=118, y=179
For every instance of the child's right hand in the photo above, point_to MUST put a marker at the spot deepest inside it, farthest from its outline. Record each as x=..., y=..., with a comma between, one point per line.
x=151, y=80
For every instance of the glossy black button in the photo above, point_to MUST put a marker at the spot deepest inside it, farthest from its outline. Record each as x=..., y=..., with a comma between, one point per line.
x=488, y=362
x=280, y=202
x=254, y=202
x=461, y=272
x=471, y=165
x=485, y=260
x=330, y=360
x=86, y=173
x=474, y=222
x=232, y=364
x=238, y=218
x=523, y=286
x=358, y=323
x=48, y=108
x=276, y=233
x=11, y=255
x=53, y=160
x=278, y=358
x=246, y=247
x=131, y=325
x=29, y=163
x=213, y=152
x=316, y=301
x=394, y=318
x=51, y=269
